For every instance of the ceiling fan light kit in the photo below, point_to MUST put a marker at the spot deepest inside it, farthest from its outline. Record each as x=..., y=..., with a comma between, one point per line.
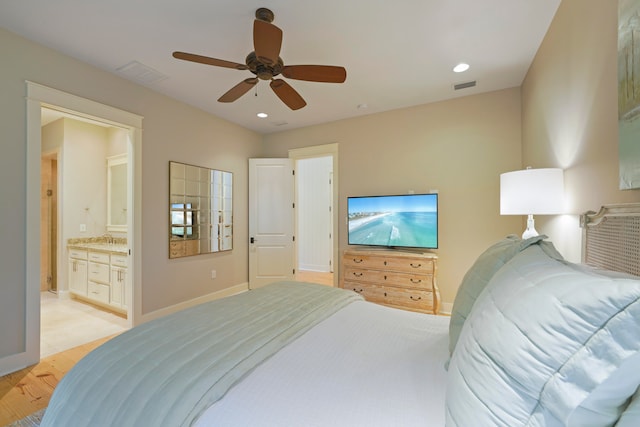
x=265, y=63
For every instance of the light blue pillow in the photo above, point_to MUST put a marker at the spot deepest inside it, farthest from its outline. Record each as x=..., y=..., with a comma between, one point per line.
x=631, y=416
x=548, y=343
x=475, y=280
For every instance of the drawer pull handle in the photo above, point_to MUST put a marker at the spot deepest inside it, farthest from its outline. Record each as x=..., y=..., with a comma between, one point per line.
x=416, y=280
x=357, y=260
x=415, y=265
x=355, y=273
x=414, y=298
x=358, y=291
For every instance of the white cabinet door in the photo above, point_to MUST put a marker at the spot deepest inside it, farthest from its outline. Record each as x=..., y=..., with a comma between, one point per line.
x=78, y=276
x=118, y=280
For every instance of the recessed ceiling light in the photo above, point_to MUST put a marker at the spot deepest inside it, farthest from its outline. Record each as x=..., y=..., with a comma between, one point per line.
x=262, y=115
x=461, y=67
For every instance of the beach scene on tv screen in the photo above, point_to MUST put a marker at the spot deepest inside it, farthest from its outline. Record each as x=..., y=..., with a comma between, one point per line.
x=397, y=221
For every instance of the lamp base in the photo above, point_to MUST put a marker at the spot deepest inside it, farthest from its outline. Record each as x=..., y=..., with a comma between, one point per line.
x=531, y=229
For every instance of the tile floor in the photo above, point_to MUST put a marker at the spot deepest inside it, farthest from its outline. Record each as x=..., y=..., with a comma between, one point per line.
x=67, y=323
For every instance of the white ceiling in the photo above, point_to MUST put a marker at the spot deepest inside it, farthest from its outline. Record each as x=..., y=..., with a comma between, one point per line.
x=397, y=53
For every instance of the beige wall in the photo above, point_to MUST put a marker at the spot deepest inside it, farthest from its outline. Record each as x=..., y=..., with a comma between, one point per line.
x=569, y=114
x=171, y=131
x=457, y=147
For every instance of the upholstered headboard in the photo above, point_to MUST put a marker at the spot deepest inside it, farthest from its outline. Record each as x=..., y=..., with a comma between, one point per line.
x=611, y=238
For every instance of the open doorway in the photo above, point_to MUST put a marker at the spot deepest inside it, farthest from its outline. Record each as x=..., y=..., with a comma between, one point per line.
x=82, y=245
x=316, y=213
x=39, y=96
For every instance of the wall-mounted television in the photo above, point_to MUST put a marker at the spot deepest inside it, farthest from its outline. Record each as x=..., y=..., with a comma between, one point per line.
x=400, y=221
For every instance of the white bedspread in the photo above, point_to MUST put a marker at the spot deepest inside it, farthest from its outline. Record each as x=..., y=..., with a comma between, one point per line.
x=366, y=365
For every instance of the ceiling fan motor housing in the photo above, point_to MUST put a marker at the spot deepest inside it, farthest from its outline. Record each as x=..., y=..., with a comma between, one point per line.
x=264, y=14
x=261, y=70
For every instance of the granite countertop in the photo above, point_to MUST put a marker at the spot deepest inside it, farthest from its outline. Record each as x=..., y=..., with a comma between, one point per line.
x=102, y=244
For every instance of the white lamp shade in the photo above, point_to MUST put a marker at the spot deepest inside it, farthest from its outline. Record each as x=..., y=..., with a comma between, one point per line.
x=532, y=192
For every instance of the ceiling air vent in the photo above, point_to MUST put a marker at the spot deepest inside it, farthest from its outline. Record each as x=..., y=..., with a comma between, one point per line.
x=140, y=73
x=464, y=85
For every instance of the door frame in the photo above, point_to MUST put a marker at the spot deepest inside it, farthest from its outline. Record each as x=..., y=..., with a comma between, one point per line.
x=326, y=150
x=39, y=96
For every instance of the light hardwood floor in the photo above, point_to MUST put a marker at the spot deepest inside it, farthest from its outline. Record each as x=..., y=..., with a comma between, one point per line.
x=29, y=390
x=315, y=277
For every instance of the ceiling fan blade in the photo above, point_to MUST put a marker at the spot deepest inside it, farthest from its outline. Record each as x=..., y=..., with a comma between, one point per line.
x=238, y=90
x=287, y=94
x=267, y=40
x=209, y=61
x=315, y=73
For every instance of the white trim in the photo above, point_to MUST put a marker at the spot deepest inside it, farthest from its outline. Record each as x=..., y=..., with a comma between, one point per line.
x=227, y=292
x=38, y=96
x=445, y=308
x=325, y=150
x=82, y=107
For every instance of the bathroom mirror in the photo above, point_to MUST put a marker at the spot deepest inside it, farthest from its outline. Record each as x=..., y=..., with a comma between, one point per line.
x=200, y=210
x=117, y=193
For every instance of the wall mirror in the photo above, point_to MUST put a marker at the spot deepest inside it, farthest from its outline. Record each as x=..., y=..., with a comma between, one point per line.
x=117, y=193
x=200, y=210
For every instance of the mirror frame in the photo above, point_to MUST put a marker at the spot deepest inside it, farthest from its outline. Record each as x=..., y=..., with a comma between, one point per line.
x=200, y=210
x=119, y=159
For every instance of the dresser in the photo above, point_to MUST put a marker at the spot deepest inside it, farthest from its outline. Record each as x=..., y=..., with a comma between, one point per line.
x=404, y=280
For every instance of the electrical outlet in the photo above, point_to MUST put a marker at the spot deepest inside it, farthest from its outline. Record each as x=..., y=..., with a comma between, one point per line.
x=83, y=228
x=213, y=274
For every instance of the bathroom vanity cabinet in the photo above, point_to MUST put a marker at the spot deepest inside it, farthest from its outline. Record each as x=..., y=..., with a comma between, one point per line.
x=98, y=275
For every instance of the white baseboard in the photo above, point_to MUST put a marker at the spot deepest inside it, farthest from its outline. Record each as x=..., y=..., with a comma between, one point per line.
x=446, y=307
x=233, y=290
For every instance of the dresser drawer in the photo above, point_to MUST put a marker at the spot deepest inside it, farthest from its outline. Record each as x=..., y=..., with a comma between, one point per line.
x=102, y=257
x=98, y=272
x=388, y=263
x=419, y=281
x=411, y=299
x=98, y=292
x=417, y=265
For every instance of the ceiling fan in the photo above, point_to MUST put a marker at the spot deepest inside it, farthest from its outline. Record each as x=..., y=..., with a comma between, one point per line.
x=266, y=64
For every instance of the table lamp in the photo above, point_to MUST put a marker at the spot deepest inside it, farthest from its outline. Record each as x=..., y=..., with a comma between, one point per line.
x=532, y=192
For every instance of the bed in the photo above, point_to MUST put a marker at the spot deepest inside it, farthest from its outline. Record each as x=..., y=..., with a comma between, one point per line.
x=532, y=340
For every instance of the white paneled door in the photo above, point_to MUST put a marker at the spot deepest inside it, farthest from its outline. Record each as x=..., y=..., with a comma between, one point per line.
x=271, y=221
